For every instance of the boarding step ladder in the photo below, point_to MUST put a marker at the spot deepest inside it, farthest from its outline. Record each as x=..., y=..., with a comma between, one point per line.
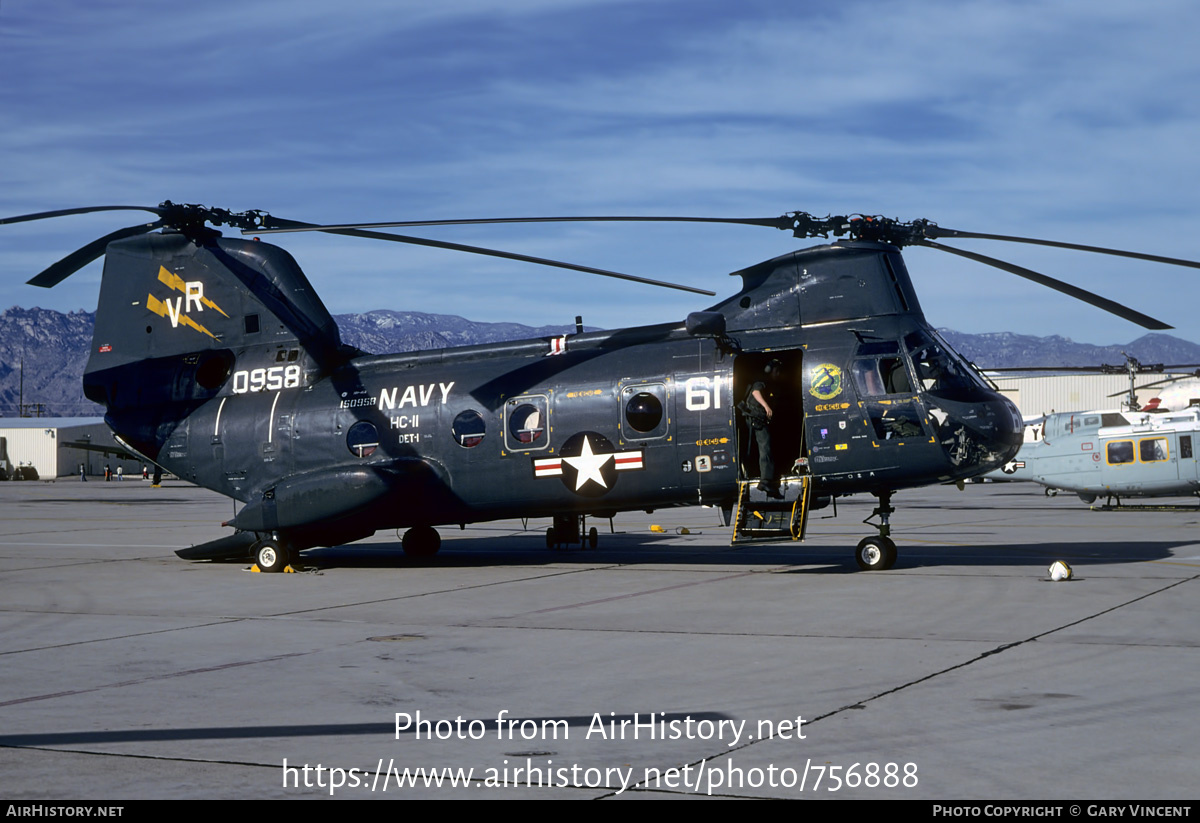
x=761, y=517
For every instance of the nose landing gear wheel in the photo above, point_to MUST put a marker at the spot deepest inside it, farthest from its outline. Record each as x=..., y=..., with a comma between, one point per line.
x=875, y=554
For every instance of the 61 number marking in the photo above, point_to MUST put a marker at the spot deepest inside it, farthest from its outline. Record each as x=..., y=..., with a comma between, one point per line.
x=702, y=393
x=276, y=377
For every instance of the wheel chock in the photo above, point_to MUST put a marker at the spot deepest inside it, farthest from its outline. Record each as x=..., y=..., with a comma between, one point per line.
x=286, y=569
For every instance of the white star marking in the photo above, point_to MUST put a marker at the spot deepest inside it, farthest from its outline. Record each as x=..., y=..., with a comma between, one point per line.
x=588, y=465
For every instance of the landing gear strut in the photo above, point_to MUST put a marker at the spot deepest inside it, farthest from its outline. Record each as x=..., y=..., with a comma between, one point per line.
x=878, y=553
x=570, y=528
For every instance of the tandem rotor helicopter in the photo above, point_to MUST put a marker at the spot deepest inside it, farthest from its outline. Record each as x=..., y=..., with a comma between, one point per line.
x=216, y=360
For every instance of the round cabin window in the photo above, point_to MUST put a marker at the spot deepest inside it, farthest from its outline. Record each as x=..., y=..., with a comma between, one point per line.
x=362, y=439
x=644, y=412
x=468, y=429
x=526, y=424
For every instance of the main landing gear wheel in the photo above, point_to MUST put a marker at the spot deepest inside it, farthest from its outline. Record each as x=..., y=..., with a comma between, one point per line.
x=875, y=554
x=568, y=529
x=421, y=541
x=270, y=556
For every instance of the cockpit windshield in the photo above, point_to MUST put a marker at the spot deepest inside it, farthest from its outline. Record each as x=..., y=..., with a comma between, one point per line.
x=940, y=371
x=879, y=369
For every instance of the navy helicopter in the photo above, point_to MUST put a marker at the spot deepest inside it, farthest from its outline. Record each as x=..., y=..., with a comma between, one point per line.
x=216, y=360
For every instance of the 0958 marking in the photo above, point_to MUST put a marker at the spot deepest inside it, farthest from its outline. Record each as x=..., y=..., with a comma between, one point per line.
x=256, y=380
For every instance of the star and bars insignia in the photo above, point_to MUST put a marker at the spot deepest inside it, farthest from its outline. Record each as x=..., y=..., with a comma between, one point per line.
x=588, y=464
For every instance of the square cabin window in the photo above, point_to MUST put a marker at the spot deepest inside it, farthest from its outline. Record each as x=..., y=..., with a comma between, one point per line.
x=1120, y=451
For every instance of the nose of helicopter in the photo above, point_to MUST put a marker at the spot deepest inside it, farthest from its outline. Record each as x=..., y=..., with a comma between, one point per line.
x=978, y=433
x=1000, y=428
x=1010, y=428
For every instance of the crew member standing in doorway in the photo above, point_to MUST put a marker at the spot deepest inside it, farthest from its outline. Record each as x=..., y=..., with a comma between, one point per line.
x=759, y=414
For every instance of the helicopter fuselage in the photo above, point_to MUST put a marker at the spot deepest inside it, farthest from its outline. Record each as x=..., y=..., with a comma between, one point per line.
x=215, y=358
x=868, y=399
x=1111, y=454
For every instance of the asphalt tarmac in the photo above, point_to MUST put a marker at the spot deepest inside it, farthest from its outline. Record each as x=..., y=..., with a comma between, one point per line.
x=659, y=665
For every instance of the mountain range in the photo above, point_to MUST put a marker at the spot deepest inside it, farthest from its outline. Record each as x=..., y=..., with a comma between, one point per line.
x=51, y=348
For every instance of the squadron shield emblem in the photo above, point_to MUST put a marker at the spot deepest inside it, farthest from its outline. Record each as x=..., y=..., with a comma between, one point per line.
x=825, y=381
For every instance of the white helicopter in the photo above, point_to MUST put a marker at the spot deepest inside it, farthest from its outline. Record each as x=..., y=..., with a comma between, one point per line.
x=1180, y=393
x=1113, y=454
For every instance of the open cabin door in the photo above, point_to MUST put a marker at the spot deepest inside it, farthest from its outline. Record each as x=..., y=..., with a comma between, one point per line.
x=773, y=481
x=784, y=393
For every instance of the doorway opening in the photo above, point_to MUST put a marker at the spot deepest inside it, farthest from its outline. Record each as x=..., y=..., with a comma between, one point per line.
x=778, y=376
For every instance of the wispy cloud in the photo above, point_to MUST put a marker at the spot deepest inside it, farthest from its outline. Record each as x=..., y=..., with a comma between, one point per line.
x=1061, y=119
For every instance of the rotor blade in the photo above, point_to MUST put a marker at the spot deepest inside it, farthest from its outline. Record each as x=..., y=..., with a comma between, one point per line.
x=937, y=231
x=1058, y=285
x=79, y=258
x=1125, y=393
x=1093, y=369
x=1165, y=380
x=278, y=224
x=784, y=222
x=43, y=215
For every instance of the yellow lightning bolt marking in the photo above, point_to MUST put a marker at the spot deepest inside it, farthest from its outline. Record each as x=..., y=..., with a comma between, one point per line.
x=174, y=281
x=155, y=305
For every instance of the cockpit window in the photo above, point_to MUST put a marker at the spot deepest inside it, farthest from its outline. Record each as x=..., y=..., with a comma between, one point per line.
x=885, y=375
x=938, y=370
x=878, y=347
x=895, y=378
x=916, y=340
x=895, y=422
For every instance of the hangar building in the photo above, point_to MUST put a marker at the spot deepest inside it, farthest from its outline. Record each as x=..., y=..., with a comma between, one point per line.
x=44, y=443
x=1038, y=394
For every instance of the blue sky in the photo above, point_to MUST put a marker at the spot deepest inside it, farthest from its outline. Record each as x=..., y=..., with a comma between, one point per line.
x=1076, y=121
